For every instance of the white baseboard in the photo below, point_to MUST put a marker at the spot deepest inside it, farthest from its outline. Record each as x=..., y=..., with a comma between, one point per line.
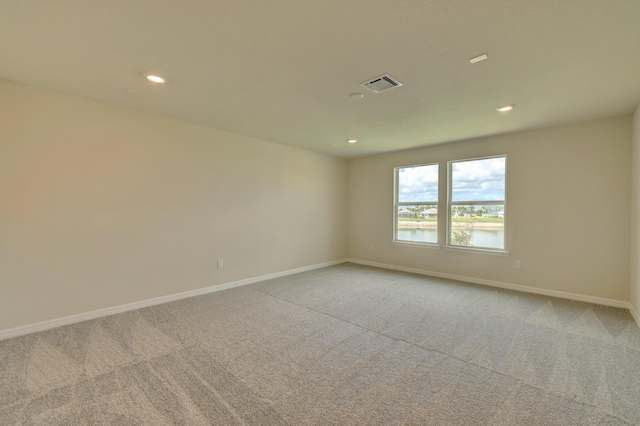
x=634, y=314
x=72, y=319
x=45, y=325
x=542, y=291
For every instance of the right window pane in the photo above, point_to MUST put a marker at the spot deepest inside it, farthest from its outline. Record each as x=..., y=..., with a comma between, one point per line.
x=477, y=203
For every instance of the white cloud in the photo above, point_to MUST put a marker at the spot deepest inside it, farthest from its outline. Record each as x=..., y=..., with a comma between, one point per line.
x=479, y=180
x=475, y=180
x=418, y=183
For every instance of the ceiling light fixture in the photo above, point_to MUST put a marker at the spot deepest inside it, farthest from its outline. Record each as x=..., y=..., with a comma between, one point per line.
x=155, y=78
x=479, y=58
x=356, y=96
x=505, y=108
x=352, y=141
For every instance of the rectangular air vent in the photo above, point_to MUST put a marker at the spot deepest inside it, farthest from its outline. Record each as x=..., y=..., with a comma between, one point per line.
x=381, y=84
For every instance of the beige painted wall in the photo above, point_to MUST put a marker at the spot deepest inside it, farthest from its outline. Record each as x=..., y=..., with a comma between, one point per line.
x=102, y=206
x=635, y=216
x=568, y=201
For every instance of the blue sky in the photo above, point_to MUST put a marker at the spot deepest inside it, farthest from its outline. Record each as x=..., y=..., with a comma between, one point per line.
x=476, y=180
x=418, y=184
x=479, y=180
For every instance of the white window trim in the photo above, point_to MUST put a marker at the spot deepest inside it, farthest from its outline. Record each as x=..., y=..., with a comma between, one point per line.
x=450, y=204
x=495, y=252
x=397, y=204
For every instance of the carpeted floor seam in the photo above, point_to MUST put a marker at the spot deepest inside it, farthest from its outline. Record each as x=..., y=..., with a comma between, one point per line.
x=522, y=321
x=447, y=355
x=344, y=344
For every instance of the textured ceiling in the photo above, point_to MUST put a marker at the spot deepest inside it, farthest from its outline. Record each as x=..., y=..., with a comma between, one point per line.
x=282, y=70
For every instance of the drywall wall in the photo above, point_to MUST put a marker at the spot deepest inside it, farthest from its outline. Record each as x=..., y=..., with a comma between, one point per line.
x=635, y=218
x=102, y=206
x=568, y=200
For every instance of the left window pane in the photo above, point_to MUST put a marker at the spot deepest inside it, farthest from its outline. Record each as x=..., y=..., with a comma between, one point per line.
x=419, y=183
x=416, y=204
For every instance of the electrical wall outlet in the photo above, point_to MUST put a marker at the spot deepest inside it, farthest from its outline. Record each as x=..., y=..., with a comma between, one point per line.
x=371, y=247
x=518, y=264
x=220, y=263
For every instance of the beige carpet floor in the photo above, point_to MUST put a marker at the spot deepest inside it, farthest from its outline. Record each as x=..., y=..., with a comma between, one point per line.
x=344, y=345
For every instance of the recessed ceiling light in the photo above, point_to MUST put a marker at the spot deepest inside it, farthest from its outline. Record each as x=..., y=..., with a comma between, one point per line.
x=352, y=140
x=479, y=58
x=155, y=78
x=356, y=96
x=505, y=108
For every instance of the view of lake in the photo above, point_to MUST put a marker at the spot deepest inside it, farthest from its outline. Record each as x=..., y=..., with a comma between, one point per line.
x=492, y=238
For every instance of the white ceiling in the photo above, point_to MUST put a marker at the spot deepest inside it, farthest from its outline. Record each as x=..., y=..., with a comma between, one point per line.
x=282, y=70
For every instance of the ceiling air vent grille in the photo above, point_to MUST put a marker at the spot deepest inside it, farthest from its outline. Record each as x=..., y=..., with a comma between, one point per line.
x=381, y=84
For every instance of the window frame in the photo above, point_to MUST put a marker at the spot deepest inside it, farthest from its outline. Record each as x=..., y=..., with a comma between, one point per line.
x=451, y=204
x=397, y=204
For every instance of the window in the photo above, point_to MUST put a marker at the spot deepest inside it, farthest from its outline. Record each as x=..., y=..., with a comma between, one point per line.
x=477, y=201
x=416, y=204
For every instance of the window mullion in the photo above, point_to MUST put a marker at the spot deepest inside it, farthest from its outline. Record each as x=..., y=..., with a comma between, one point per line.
x=418, y=203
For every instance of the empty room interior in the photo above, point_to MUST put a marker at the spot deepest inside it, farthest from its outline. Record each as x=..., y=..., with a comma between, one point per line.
x=413, y=212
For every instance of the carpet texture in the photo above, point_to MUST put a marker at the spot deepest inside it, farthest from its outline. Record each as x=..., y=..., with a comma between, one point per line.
x=343, y=345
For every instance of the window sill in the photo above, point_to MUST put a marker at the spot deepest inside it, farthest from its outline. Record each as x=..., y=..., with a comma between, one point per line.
x=419, y=245
x=452, y=248
x=478, y=250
